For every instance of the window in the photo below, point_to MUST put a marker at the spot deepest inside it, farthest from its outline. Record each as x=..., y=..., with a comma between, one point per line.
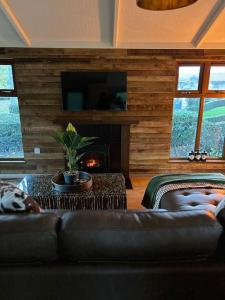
x=189, y=78
x=217, y=78
x=11, y=146
x=199, y=110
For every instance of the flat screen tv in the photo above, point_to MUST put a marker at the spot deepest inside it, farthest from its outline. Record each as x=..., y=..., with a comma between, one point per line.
x=94, y=91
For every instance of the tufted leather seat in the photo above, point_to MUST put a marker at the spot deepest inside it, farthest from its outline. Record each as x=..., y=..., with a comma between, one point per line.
x=186, y=199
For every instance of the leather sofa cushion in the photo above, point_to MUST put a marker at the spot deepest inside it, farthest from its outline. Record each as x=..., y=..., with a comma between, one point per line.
x=187, y=199
x=28, y=238
x=124, y=235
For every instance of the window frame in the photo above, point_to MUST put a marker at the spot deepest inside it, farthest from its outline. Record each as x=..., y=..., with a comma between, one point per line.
x=202, y=93
x=10, y=93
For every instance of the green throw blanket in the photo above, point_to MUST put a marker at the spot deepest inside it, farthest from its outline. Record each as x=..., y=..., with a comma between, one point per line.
x=161, y=180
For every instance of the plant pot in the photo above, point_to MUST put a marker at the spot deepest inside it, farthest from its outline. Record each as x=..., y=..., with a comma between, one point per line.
x=71, y=177
x=84, y=183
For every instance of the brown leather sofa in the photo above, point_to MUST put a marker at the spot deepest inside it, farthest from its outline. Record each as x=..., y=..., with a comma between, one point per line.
x=113, y=255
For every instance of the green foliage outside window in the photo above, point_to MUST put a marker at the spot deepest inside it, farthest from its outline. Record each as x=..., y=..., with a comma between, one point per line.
x=10, y=129
x=185, y=116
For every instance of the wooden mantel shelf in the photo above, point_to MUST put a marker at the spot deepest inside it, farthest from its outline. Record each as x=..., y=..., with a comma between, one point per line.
x=104, y=119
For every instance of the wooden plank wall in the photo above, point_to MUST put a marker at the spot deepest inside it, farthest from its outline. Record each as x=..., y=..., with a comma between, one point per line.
x=151, y=85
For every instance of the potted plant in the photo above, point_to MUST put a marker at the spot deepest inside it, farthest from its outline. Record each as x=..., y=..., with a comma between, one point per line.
x=72, y=142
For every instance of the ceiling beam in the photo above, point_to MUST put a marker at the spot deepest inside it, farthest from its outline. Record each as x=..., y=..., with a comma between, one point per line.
x=15, y=22
x=201, y=34
x=116, y=23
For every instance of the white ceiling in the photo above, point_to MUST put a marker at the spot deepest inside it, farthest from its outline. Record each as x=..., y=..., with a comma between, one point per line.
x=110, y=24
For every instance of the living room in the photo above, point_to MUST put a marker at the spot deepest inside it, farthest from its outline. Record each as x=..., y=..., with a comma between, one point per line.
x=169, y=57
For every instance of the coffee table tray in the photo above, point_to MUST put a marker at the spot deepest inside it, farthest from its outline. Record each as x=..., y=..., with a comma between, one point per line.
x=84, y=183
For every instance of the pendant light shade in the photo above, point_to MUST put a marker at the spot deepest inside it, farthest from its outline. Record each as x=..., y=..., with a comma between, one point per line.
x=164, y=4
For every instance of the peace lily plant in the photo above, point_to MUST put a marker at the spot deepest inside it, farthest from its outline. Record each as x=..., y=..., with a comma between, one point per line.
x=72, y=142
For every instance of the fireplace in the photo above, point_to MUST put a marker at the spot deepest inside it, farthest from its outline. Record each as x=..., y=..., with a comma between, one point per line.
x=110, y=151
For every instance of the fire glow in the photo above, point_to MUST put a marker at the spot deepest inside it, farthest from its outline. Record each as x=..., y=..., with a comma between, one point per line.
x=91, y=163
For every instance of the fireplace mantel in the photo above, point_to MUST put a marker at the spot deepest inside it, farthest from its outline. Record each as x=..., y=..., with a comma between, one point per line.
x=124, y=123
x=63, y=120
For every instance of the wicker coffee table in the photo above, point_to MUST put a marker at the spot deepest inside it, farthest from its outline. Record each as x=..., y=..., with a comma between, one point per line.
x=108, y=192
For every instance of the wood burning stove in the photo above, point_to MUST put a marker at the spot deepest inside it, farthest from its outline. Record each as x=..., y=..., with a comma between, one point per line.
x=96, y=159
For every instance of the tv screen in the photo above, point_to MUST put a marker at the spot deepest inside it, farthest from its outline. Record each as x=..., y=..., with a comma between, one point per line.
x=94, y=91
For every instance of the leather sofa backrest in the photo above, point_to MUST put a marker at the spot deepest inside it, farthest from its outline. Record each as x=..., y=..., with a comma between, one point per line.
x=127, y=235
x=28, y=238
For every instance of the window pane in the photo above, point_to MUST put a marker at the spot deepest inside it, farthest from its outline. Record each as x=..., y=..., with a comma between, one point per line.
x=213, y=130
x=10, y=130
x=188, y=78
x=217, y=78
x=6, y=77
x=185, y=119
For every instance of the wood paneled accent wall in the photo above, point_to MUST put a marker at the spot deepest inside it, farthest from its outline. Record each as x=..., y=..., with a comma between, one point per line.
x=151, y=86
